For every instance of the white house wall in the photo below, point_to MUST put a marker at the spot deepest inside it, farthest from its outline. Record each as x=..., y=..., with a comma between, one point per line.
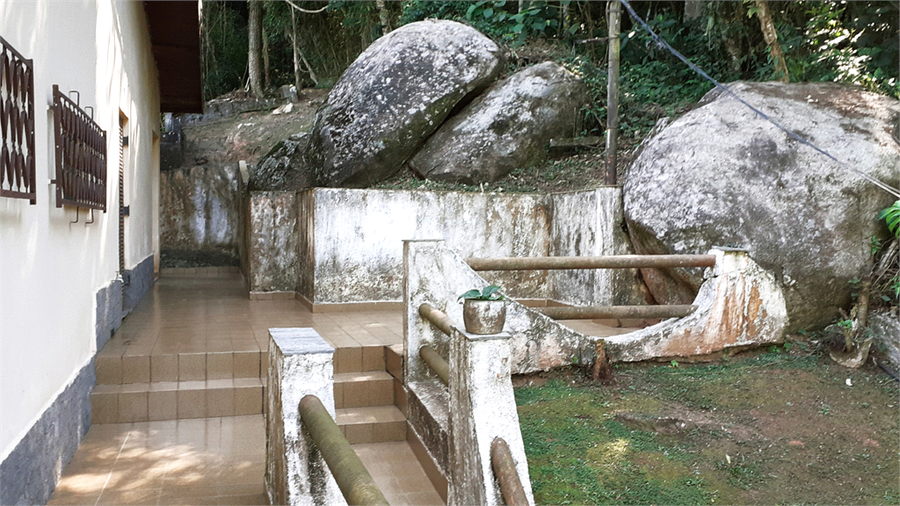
x=52, y=270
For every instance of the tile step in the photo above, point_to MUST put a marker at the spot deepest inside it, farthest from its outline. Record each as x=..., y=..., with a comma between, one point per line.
x=115, y=369
x=177, y=400
x=373, y=424
x=363, y=389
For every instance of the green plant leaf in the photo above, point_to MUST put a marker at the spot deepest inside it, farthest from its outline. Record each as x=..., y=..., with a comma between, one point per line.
x=488, y=291
x=471, y=294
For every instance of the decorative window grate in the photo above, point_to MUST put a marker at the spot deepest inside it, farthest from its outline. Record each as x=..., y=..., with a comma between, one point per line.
x=17, y=124
x=80, y=156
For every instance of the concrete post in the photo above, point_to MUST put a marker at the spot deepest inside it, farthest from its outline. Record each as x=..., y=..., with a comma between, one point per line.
x=300, y=363
x=482, y=407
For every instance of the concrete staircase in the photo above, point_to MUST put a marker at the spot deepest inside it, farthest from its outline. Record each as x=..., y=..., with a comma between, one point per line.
x=135, y=386
x=370, y=404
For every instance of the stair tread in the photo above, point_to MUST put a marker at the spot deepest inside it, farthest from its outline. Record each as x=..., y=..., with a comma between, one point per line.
x=162, y=386
x=352, y=377
x=371, y=414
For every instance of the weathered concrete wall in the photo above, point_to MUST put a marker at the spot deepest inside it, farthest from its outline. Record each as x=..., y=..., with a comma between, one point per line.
x=348, y=243
x=199, y=209
x=300, y=363
x=739, y=304
x=272, y=242
x=589, y=223
x=358, y=234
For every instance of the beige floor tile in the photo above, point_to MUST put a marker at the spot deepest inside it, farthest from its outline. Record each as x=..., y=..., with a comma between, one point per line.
x=129, y=496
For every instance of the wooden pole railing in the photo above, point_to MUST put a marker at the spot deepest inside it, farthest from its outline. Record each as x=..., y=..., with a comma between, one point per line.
x=604, y=262
x=437, y=318
x=505, y=470
x=616, y=312
x=436, y=362
x=431, y=357
x=349, y=472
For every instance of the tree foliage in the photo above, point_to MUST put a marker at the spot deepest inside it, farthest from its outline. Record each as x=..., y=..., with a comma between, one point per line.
x=849, y=42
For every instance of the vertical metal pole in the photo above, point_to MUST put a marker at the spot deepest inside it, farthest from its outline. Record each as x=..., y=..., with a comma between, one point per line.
x=614, y=18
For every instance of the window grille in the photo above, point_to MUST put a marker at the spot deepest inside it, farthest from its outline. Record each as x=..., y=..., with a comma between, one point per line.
x=80, y=156
x=17, y=124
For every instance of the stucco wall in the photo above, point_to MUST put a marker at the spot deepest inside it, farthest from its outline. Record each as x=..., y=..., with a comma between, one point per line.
x=52, y=269
x=348, y=243
x=590, y=223
x=358, y=237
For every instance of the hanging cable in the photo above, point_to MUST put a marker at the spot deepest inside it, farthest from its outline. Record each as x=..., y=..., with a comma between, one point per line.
x=659, y=40
x=292, y=4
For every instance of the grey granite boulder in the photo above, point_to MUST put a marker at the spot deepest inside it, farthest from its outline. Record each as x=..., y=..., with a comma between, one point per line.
x=394, y=96
x=509, y=126
x=723, y=176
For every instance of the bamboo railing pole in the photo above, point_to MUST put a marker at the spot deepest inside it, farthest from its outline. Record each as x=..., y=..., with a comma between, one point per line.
x=349, y=472
x=604, y=262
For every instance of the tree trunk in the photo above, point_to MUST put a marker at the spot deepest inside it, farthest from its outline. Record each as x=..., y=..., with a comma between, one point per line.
x=265, y=54
x=771, y=36
x=383, y=17
x=296, y=50
x=253, y=55
x=298, y=55
x=612, y=92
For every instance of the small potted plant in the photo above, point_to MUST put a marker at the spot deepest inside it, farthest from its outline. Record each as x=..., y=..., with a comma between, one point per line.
x=484, y=311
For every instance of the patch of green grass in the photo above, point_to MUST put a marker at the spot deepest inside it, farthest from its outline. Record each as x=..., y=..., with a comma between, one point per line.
x=578, y=455
x=582, y=450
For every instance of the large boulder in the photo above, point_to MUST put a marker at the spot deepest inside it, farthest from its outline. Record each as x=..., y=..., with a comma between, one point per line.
x=394, y=96
x=282, y=167
x=507, y=127
x=722, y=175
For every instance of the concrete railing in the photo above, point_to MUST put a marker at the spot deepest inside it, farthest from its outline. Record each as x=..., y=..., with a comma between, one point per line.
x=308, y=459
x=457, y=424
x=738, y=305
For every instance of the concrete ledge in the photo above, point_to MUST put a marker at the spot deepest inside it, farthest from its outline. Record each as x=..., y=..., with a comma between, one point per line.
x=272, y=296
x=738, y=305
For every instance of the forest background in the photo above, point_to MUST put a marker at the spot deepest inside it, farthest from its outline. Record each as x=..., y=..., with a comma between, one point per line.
x=259, y=46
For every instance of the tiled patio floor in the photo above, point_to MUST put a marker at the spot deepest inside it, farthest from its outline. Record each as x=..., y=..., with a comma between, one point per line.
x=218, y=460
x=214, y=314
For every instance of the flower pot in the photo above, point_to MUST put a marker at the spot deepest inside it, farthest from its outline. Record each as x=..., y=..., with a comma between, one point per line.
x=484, y=317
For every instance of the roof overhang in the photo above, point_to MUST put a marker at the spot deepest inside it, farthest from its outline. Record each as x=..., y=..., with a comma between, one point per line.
x=175, y=37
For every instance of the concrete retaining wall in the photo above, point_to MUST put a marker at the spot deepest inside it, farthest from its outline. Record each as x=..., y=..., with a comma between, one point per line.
x=199, y=209
x=589, y=223
x=348, y=243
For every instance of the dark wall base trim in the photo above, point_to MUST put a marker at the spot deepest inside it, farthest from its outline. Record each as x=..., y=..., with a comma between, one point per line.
x=140, y=279
x=31, y=471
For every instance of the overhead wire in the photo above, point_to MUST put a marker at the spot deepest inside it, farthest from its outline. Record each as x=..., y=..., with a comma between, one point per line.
x=659, y=40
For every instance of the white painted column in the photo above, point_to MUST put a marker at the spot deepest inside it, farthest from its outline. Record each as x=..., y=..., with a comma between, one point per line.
x=300, y=363
x=482, y=407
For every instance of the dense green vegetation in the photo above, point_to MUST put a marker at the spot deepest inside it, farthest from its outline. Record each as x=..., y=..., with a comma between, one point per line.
x=849, y=42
